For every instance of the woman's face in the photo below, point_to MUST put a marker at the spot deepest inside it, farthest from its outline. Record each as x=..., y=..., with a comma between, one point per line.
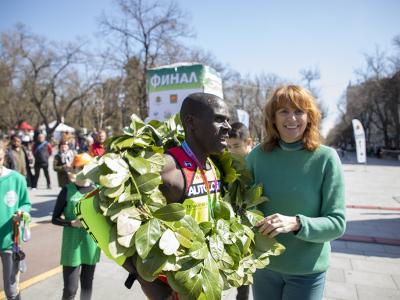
x=291, y=122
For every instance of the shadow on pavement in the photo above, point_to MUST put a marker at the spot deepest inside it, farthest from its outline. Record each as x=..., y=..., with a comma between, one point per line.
x=42, y=209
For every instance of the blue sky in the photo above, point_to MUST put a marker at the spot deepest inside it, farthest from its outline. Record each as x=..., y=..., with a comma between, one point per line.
x=250, y=36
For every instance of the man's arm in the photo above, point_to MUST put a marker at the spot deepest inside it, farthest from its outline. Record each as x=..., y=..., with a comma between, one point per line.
x=173, y=186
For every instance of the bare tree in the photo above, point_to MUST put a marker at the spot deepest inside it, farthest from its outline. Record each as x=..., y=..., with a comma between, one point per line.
x=50, y=76
x=144, y=31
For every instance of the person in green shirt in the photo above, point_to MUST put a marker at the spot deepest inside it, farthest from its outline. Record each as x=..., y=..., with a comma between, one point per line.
x=303, y=181
x=79, y=252
x=14, y=205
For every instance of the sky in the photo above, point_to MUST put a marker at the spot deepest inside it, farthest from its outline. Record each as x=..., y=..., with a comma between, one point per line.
x=252, y=36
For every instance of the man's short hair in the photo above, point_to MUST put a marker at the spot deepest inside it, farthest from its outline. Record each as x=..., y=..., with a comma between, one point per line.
x=239, y=131
x=198, y=104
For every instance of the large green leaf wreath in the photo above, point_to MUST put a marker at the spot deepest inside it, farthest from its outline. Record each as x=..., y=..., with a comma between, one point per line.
x=199, y=259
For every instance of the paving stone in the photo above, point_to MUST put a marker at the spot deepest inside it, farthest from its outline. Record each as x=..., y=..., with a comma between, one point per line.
x=341, y=262
x=335, y=274
x=375, y=266
x=339, y=290
x=370, y=279
x=375, y=293
x=396, y=279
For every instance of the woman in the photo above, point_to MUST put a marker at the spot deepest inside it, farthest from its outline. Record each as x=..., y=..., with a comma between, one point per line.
x=79, y=252
x=304, y=183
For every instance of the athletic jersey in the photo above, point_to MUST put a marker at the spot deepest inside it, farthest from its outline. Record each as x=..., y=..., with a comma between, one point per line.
x=195, y=198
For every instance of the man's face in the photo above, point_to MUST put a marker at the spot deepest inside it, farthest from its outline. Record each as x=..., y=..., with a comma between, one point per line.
x=102, y=137
x=211, y=129
x=16, y=142
x=41, y=138
x=64, y=148
x=238, y=147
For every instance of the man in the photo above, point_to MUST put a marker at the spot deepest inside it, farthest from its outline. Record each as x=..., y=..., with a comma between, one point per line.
x=16, y=157
x=41, y=151
x=97, y=149
x=62, y=163
x=205, y=119
x=240, y=143
x=14, y=205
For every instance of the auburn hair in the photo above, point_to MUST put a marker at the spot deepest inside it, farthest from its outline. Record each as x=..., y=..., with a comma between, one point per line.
x=297, y=97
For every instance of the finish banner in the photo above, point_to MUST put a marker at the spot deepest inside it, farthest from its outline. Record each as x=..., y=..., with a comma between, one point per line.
x=359, y=137
x=168, y=85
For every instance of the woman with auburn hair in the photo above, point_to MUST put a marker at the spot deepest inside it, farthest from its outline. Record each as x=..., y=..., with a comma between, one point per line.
x=303, y=180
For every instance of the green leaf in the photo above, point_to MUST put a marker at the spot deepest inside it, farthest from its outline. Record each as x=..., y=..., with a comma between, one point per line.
x=206, y=227
x=222, y=210
x=187, y=287
x=139, y=164
x=184, y=237
x=116, y=250
x=212, y=286
x=169, y=244
x=147, y=236
x=113, y=180
x=151, y=267
x=127, y=225
x=148, y=182
x=126, y=241
x=268, y=245
x=223, y=231
x=157, y=161
x=199, y=251
x=254, y=216
x=170, y=212
x=188, y=222
x=114, y=192
x=216, y=247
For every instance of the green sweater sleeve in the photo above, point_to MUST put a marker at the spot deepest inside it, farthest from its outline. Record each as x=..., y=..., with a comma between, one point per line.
x=24, y=203
x=331, y=224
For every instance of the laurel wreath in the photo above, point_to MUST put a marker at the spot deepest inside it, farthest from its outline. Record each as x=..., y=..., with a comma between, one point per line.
x=199, y=260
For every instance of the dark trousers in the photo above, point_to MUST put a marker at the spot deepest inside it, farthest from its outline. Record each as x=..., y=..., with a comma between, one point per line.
x=37, y=172
x=71, y=277
x=243, y=292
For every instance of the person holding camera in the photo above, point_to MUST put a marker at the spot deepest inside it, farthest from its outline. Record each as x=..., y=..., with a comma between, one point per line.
x=14, y=206
x=62, y=163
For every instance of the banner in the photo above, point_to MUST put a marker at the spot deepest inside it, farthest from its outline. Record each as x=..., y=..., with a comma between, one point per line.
x=168, y=85
x=359, y=137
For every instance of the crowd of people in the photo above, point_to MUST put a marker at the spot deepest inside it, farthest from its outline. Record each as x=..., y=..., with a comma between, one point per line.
x=302, y=179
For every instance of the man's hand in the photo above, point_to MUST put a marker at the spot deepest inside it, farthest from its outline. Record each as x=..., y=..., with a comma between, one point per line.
x=76, y=223
x=275, y=224
x=17, y=216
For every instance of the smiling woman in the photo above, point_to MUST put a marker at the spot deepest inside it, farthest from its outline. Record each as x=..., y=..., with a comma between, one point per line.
x=304, y=183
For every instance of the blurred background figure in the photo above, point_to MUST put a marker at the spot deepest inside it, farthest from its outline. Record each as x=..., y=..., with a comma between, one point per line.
x=79, y=252
x=62, y=163
x=97, y=149
x=16, y=157
x=41, y=152
x=239, y=142
x=14, y=205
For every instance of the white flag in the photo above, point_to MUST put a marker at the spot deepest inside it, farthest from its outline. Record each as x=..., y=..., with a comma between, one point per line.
x=359, y=137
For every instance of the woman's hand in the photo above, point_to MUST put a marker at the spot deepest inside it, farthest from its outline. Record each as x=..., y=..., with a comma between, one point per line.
x=275, y=224
x=76, y=223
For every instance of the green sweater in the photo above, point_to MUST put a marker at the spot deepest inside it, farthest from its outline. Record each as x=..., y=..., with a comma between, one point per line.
x=305, y=184
x=13, y=196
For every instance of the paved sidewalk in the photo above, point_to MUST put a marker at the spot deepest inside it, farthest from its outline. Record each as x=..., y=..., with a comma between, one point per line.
x=358, y=270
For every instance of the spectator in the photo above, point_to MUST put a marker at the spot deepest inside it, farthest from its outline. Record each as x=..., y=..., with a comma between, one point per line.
x=97, y=149
x=79, y=252
x=41, y=151
x=14, y=206
x=62, y=163
x=239, y=141
x=16, y=157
